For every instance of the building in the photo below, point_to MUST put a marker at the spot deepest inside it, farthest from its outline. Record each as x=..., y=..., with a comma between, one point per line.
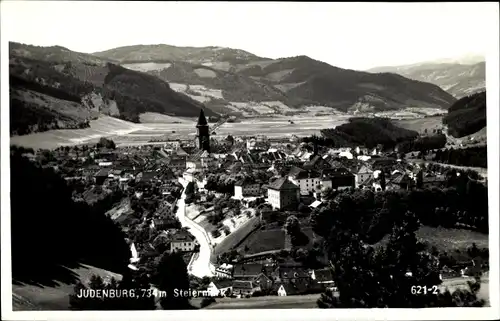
x=224, y=271
x=338, y=179
x=307, y=181
x=101, y=176
x=202, y=133
x=190, y=174
x=324, y=277
x=283, y=194
x=247, y=271
x=363, y=175
x=401, y=181
x=220, y=287
x=244, y=288
x=207, y=160
x=316, y=162
x=287, y=289
x=182, y=241
x=246, y=188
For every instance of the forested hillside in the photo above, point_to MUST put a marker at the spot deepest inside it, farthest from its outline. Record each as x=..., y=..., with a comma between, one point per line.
x=467, y=115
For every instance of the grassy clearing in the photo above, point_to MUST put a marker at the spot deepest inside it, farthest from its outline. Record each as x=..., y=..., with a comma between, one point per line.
x=235, y=237
x=264, y=240
x=27, y=297
x=447, y=239
x=420, y=124
x=268, y=302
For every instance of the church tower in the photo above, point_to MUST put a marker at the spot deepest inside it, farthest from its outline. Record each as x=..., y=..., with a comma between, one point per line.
x=202, y=132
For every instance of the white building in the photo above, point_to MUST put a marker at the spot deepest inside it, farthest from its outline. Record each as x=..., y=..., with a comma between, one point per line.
x=182, y=241
x=220, y=287
x=283, y=194
x=224, y=271
x=307, y=181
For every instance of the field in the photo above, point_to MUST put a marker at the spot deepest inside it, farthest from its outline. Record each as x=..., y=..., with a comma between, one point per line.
x=125, y=133
x=271, y=240
x=268, y=302
x=264, y=240
x=234, y=238
x=105, y=126
x=446, y=239
x=420, y=124
x=33, y=297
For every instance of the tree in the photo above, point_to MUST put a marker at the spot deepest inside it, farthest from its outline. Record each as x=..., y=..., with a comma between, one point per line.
x=292, y=225
x=55, y=238
x=303, y=208
x=190, y=189
x=382, y=180
x=172, y=277
x=368, y=278
x=106, y=143
x=420, y=179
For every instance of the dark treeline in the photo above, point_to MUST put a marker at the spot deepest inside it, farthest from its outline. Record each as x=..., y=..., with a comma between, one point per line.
x=68, y=87
x=473, y=156
x=378, y=278
x=467, y=115
x=43, y=89
x=372, y=215
x=25, y=117
x=368, y=132
x=50, y=230
x=152, y=95
x=423, y=143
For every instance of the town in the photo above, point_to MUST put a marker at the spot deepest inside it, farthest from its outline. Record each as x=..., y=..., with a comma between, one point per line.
x=245, y=212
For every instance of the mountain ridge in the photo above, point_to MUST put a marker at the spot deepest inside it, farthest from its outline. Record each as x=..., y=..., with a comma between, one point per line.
x=458, y=79
x=55, y=88
x=294, y=81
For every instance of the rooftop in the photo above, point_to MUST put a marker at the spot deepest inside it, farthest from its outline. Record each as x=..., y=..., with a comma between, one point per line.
x=282, y=184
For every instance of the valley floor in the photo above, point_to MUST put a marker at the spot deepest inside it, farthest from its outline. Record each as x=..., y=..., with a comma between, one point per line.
x=125, y=133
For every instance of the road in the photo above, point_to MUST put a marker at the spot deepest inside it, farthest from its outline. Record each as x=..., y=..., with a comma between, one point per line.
x=201, y=266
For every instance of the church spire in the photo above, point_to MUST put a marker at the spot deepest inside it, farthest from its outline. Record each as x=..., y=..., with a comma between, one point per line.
x=202, y=120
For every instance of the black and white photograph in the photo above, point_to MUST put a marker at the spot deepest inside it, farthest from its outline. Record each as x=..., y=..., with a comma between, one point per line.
x=261, y=160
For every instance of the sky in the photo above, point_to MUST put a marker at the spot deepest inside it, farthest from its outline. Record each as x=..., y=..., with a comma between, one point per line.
x=348, y=35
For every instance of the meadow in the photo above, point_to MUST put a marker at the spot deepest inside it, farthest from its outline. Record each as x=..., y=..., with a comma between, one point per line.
x=125, y=133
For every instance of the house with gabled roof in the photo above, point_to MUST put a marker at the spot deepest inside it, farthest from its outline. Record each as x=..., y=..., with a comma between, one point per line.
x=220, y=287
x=363, y=174
x=101, y=176
x=306, y=180
x=244, y=288
x=283, y=194
x=401, y=181
x=316, y=162
x=182, y=241
x=338, y=179
x=324, y=277
x=246, y=187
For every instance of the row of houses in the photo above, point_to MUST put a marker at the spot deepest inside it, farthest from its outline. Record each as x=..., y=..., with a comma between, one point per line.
x=280, y=279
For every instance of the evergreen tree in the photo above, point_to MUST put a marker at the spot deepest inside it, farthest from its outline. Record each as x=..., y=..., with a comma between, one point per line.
x=172, y=277
x=386, y=278
x=382, y=180
x=420, y=179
